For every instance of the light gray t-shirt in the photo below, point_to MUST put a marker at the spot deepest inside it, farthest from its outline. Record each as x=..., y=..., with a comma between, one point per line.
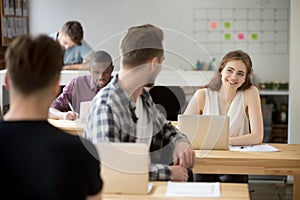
x=144, y=127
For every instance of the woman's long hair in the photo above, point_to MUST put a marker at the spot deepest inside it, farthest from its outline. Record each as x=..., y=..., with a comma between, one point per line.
x=216, y=81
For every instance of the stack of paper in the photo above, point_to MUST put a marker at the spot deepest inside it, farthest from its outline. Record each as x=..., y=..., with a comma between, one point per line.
x=254, y=148
x=178, y=189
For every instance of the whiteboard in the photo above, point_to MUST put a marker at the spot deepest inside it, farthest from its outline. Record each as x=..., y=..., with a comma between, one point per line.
x=194, y=29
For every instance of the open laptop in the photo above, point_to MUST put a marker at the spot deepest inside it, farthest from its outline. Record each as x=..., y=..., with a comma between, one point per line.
x=84, y=110
x=124, y=167
x=205, y=132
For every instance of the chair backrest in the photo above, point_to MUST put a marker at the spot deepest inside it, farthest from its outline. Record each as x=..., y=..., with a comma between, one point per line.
x=170, y=100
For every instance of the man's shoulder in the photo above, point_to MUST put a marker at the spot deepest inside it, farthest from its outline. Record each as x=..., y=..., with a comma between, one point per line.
x=82, y=78
x=111, y=88
x=42, y=131
x=112, y=93
x=84, y=42
x=83, y=47
x=79, y=81
x=74, y=142
x=106, y=93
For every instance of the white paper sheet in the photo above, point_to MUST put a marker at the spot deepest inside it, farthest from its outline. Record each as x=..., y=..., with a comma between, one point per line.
x=178, y=189
x=254, y=148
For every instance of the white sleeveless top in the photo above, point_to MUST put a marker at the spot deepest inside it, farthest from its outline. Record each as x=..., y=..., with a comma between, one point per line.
x=239, y=122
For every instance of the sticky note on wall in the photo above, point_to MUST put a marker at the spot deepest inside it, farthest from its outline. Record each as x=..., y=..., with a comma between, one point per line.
x=254, y=36
x=213, y=25
x=227, y=25
x=227, y=36
x=241, y=36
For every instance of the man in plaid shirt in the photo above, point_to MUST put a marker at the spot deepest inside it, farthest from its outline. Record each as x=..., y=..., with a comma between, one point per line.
x=123, y=111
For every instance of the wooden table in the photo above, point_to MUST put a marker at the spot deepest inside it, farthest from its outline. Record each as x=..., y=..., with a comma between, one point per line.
x=75, y=127
x=284, y=162
x=72, y=127
x=229, y=191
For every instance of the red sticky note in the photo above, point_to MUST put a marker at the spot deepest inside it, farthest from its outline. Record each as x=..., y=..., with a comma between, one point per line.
x=213, y=25
x=241, y=36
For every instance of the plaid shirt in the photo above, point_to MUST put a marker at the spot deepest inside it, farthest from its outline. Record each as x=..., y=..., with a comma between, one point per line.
x=112, y=118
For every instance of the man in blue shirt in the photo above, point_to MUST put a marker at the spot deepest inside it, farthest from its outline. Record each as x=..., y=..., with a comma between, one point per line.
x=77, y=50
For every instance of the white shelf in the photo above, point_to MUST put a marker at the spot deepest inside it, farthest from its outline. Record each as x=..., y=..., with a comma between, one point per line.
x=67, y=75
x=166, y=77
x=184, y=78
x=274, y=92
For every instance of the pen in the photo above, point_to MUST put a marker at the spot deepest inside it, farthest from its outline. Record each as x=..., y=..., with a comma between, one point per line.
x=72, y=109
x=243, y=147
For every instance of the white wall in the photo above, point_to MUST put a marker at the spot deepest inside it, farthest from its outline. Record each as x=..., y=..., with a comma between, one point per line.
x=294, y=97
x=105, y=21
x=103, y=30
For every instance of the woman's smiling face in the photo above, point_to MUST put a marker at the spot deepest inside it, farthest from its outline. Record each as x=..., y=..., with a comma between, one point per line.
x=234, y=74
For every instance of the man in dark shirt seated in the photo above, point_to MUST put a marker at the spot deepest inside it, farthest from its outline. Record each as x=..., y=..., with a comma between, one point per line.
x=39, y=161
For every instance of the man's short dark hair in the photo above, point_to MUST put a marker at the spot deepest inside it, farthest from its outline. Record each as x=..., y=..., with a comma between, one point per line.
x=33, y=63
x=74, y=30
x=140, y=44
x=101, y=56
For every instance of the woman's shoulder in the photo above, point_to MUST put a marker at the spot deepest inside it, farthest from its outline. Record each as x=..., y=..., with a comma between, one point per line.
x=200, y=92
x=252, y=90
x=251, y=94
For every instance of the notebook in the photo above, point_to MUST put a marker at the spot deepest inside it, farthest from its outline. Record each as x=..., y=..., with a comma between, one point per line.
x=124, y=167
x=205, y=132
x=84, y=110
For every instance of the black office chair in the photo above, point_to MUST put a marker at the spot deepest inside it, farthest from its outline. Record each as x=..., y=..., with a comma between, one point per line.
x=170, y=100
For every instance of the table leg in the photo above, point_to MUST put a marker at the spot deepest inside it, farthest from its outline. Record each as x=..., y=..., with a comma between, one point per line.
x=296, y=190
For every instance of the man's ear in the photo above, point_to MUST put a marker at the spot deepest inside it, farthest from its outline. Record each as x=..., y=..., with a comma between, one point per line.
x=6, y=82
x=154, y=60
